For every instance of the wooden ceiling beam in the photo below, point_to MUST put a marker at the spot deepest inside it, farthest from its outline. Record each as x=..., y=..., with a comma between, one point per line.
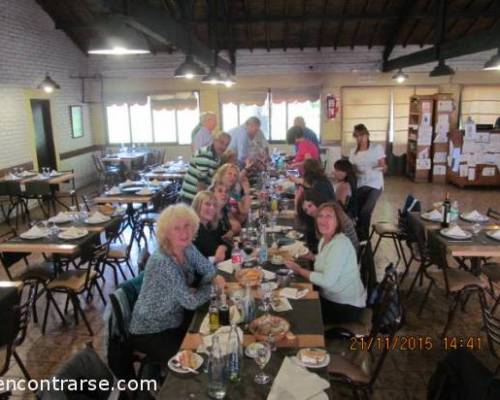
x=377, y=25
x=285, y=27
x=230, y=32
x=340, y=27
x=266, y=26
x=356, y=29
x=405, y=9
x=482, y=41
x=322, y=26
x=415, y=24
x=302, y=30
x=247, y=21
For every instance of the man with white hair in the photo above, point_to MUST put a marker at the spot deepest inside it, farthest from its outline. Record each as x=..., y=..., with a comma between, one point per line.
x=203, y=135
x=249, y=142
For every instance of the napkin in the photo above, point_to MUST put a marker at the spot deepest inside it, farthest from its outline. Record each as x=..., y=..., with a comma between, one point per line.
x=41, y=177
x=144, y=192
x=10, y=176
x=54, y=173
x=281, y=304
x=128, y=182
x=456, y=231
x=434, y=214
x=474, y=216
x=222, y=332
x=296, y=248
x=268, y=275
x=35, y=232
x=226, y=266
x=73, y=232
x=26, y=173
x=98, y=217
x=113, y=190
x=297, y=383
x=293, y=293
x=61, y=217
x=495, y=234
x=275, y=229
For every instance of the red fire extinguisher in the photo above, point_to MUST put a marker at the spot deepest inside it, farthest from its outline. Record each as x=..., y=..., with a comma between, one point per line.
x=331, y=106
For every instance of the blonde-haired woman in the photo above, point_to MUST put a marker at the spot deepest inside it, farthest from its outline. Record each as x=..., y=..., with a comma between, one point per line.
x=159, y=322
x=238, y=187
x=209, y=239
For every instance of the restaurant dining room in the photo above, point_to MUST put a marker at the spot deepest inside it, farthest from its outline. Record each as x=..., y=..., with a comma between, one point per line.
x=250, y=199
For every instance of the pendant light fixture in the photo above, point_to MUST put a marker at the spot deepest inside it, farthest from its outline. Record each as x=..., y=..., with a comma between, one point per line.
x=400, y=76
x=118, y=39
x=442, y=70
x=189, y=69
x=48, y=85
x=213, y=77
x=493, y=63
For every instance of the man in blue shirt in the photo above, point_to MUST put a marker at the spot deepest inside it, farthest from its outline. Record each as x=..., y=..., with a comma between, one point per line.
x=308, y=133
x=248, y=142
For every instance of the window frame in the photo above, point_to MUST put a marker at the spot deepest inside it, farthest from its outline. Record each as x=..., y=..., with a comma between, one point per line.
x=270, y=108
x=154, y=142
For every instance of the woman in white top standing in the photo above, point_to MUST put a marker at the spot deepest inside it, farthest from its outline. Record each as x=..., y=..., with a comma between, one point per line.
x=369, y=162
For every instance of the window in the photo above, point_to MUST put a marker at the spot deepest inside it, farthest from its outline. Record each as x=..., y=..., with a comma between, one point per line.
x=481, y=103
x=162, y=119
x=276, y=117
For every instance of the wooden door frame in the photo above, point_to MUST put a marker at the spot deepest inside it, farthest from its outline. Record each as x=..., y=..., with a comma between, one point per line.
x=32, y=94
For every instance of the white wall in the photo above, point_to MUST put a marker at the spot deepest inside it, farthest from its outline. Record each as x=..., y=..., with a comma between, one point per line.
x=30, y=47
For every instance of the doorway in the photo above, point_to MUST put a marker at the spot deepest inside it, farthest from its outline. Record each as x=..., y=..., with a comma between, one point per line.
x=44, y=140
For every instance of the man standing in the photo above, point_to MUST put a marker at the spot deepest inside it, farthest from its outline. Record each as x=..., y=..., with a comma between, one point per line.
x=308, y=133
x=202, y=167
x=249, y=142
x=202, y=136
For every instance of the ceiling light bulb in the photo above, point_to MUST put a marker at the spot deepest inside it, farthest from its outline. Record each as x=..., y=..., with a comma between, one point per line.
x=48, y=89
x=189, y=76
x=400, y=76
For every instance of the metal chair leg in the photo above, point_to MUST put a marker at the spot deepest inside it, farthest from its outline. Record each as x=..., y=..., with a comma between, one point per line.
x=451, y=313
x=21, y=365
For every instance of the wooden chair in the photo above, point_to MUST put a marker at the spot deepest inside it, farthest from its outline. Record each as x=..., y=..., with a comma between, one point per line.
x=457, y=284
x=492, y=327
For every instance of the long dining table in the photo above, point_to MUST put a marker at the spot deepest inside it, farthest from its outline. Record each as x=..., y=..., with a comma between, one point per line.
x=306, y=326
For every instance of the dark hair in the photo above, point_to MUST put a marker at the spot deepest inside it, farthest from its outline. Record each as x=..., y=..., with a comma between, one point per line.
x=360, y=129
x=338, y=211
x=293, y=133
x=346, y=166
x=313, y=171
x=317, y=198
x=253, y=120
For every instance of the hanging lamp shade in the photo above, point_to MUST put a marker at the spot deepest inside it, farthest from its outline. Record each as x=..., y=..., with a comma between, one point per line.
x=213, y=77
x=118, y=40
x=189, y=69
x=442, y=70
x=48, y=85
x=400, y=76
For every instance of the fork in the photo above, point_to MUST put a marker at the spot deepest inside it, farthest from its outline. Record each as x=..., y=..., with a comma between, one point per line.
x=177, y=364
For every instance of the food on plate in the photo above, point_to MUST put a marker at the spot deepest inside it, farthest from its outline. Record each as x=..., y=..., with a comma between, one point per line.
x=106, y=209
x=249, y=276
x=312, y=356
x=267, y=325
x=187, y=359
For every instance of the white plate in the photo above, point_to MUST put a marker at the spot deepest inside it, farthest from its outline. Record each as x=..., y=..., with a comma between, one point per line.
x=490, y=235
x=426, y=217
x=325, y=362
x=443, y=232
x=61, y=220
x=64, y=236
x=483, y=219
x=32, y=237
x=97, y=222
x=198, y=359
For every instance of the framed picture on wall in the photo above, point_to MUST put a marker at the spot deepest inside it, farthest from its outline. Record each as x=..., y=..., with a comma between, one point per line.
x=76, y=116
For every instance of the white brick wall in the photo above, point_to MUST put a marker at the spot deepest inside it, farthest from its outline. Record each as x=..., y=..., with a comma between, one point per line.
x=29, y=48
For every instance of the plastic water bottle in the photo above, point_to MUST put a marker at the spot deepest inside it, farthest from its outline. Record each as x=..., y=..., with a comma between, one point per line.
x=234, y=359
x=262, y=255
x=236, y=256
x=217, y=387
x=248, y=306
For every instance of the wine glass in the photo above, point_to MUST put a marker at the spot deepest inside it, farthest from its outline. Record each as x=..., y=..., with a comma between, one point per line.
x=53, y=229
x=262, y=357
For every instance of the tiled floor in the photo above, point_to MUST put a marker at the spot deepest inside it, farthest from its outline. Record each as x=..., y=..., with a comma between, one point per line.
x=405, y=374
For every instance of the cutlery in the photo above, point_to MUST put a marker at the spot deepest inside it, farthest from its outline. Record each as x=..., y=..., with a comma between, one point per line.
x=177, y=364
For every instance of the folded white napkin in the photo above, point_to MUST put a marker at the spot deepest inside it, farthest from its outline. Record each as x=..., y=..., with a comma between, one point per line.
x=226, y=266
x=54, y=173
x=35, y=232
x=456, y=231
x=281, y=304
x=10, y=176
x=297, y=383
x=475, y=216
x=296, y=248
x=293, y=293
x=61, y=217
x=495, y=234
x=434, y=215
x=144, y=192
x=73, y=232
x=27, y=173
x=268, y=275
x=113, y=190
x=98, y=217
x=222, y=333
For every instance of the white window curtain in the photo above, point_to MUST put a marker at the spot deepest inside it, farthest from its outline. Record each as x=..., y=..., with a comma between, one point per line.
x=481, y=103
x=248, y=98
x=299, y=95
x=176, y=101
x=369, y=106
x=119, y=99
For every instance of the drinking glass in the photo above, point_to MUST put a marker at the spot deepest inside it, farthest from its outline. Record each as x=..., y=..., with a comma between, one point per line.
x=266, y=290
x=53, y=230
x=262, y=357
x=476, y=228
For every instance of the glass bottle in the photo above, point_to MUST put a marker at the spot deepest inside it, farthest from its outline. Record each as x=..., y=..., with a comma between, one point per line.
x=248, y=305
x=262, y=255
x=236, y=256
x=216, y=371
x=223, y=311
x=234, y=355
x=445, y=223
x=213, y=316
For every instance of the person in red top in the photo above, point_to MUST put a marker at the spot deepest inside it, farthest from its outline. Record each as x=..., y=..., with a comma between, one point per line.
x=305, y=148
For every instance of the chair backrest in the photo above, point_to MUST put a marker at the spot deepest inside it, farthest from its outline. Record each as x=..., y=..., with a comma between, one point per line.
x=416, y=237
x=492, y=327
x=493, y=214
x=25, y=313
x=37, y=188
x=437, y=256
x=10, y=259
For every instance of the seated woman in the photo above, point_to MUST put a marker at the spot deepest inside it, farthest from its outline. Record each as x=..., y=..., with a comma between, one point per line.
x=239, y=190
x=314, y=178
x=336, y=272
x=228, y=225
x=307, y=211
x=209, y=239
x=159, y=319
x=345, y=185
